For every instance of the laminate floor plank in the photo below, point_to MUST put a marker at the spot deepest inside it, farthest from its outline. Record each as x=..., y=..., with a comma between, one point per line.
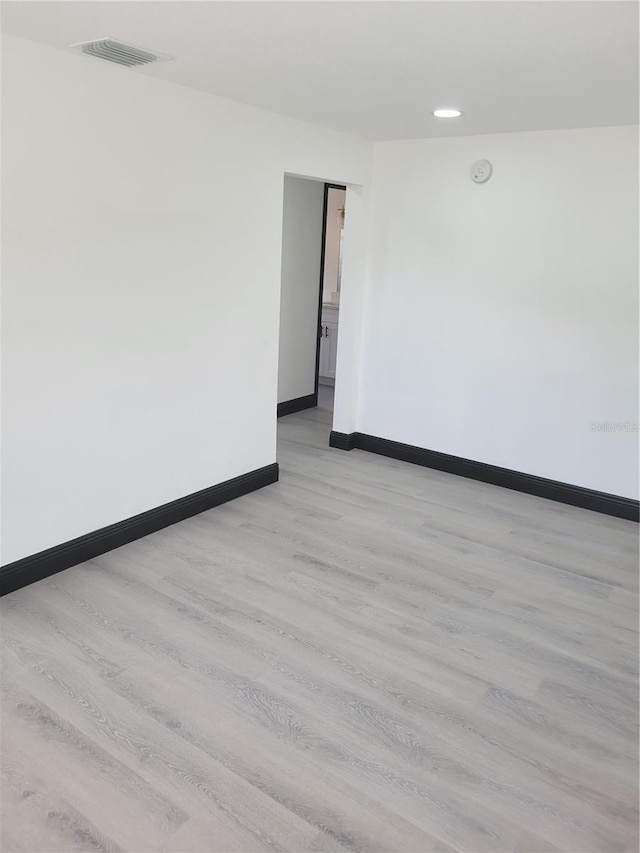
x=365, y=656
x=34, y=815
x=200, y=786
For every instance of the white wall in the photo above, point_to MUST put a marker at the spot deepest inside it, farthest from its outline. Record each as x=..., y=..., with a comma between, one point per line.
x=503, y=318
x=141, y=249
x=356, y=247
x=141, y=238
x=335, y=200
x=299, y=292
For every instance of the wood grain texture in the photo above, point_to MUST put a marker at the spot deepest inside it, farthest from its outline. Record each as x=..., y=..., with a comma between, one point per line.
x=366, y=656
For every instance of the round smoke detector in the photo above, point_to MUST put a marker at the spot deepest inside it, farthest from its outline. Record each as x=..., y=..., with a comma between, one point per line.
x=481, y=171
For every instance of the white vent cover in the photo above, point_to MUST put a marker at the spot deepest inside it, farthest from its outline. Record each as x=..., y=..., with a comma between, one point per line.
x=119, y=52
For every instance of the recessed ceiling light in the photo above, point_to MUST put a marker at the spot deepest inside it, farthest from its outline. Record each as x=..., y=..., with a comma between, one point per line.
x=448, y=113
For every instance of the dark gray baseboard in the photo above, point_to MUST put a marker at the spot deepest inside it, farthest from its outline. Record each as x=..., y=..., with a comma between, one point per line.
x=290, y=407
x=45, y=563
x=343, y=440
x=529, y=483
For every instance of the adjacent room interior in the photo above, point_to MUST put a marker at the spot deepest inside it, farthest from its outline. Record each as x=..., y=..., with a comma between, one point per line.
x=333, y=249
x=319, y=427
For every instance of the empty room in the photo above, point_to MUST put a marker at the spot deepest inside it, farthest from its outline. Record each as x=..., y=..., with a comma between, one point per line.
x=319, y=426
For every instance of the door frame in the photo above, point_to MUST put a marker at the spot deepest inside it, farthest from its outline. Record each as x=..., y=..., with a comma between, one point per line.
x=310, y=401
x=323, y=247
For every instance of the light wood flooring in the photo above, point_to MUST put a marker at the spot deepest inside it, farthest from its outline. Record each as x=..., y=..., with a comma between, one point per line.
x=367, y=656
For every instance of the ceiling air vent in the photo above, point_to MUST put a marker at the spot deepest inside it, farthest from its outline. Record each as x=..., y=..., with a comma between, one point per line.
x=119, y=52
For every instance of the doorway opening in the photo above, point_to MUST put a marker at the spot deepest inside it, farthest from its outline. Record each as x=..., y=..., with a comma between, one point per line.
x=313, y=223
x=330, y=283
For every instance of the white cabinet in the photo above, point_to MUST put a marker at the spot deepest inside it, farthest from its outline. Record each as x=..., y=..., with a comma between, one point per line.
x=328, y=344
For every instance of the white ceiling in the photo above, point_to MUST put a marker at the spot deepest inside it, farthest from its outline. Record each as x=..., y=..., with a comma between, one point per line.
x=378, y=69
